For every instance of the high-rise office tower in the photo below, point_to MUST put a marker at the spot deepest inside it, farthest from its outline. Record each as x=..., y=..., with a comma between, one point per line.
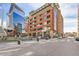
x=15, y=16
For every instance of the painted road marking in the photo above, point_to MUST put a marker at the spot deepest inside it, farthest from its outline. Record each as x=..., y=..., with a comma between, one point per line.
x=68, y=40
x=9, y=50
x=75, y=41
x=28, y=53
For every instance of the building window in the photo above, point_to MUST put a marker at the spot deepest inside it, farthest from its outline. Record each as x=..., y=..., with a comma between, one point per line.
x=40, y=19
x=39, y=28
x=40, y=23
x=34, y=21
x=45, y=23
x=34, y=18
x=45, y=18
x=29, y=34
x=30, y=26
x=40, y=15
x=48, y=11
x=34, y=25
x=46, y=28
x=34, y=30
x=30, y=23
x=48, y=22
x=30, y=19
x=48, y=16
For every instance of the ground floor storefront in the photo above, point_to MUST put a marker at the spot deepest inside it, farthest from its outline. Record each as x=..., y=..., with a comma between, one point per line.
x=45, y=33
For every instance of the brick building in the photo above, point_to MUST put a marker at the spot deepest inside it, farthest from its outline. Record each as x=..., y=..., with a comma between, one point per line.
x=45, y=20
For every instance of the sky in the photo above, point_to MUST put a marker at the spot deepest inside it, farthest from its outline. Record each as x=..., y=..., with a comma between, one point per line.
x=68, y=10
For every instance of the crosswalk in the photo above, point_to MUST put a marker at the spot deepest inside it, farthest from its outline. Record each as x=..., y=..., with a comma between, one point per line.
x=29, y=53
x=10, y=50
x=63, y=40
x=52, y=40
x=29, y=43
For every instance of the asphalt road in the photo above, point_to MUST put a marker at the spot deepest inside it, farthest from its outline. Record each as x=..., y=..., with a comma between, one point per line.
x=52, y=47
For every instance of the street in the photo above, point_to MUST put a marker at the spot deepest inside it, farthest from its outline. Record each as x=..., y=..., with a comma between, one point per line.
x=52, y=47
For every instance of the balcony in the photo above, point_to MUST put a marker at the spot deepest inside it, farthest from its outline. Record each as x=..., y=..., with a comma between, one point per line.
x=40, y=24
x=46, y=18
x=48, y=21
x=48, y=11
x=32, y=29
x=48, y=25
x=46, y=28
x=39, y=29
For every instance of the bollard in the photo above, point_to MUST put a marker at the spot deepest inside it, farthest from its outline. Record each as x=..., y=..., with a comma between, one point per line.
x=19, y=42
x=37, y=39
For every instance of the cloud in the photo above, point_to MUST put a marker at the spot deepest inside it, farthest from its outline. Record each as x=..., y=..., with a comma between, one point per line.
x=70, y=29
x=28, y=7
x=69, y=10
x=70, y=25
x=35, y=5
x=70, y=20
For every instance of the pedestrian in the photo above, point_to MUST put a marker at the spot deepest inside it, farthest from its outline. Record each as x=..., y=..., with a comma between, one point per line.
x=37, y=39
x=19, y=42
x=18, y=38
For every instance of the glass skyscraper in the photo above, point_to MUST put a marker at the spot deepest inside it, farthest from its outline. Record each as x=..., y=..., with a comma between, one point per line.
x=18, y=19
x=16, y=16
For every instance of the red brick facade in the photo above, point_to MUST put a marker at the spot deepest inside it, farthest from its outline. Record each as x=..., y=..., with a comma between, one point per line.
x=38, y=18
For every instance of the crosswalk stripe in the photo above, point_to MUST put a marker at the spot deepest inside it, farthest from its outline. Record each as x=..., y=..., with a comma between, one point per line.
x=28, y=53
x=9, y=50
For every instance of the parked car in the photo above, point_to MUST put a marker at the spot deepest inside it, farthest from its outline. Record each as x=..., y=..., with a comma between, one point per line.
x=77, y=39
